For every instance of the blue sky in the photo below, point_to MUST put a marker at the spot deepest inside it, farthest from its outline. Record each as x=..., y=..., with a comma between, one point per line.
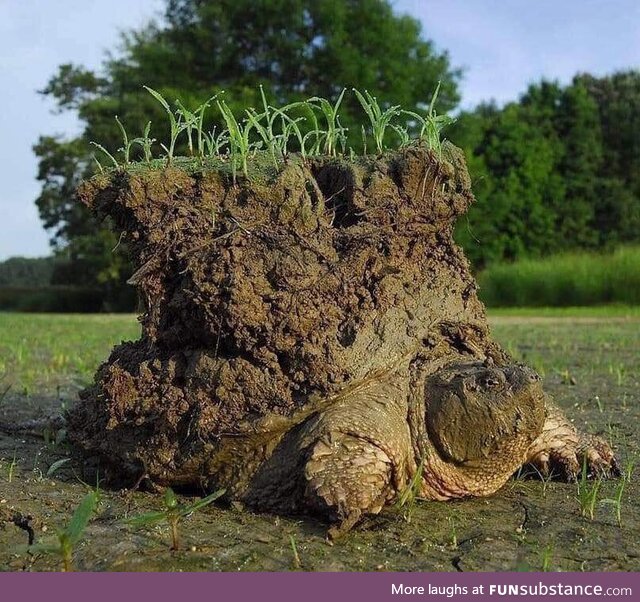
x=502, y=44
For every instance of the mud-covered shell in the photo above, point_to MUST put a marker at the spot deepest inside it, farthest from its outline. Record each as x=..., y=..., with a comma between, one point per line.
x=264, y=294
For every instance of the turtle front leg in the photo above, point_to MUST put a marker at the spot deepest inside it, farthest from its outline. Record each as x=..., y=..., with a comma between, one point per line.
x=562, y=450
x=342, y=462
x=359, y=454
x=346, y=478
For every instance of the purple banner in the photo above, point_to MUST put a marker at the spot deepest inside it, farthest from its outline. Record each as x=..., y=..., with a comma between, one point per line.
x=314, y=587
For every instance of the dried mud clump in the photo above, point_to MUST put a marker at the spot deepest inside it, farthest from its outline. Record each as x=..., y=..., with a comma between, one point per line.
x=265, y=297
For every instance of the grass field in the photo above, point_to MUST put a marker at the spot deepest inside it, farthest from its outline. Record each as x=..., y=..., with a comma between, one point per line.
x=590, y=360
x=40, y=353
x=570, y=279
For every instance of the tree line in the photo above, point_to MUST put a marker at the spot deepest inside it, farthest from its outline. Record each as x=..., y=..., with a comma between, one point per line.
x=557, y=170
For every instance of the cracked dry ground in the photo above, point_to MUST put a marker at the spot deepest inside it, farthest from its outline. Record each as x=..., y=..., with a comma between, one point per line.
x=592, y=367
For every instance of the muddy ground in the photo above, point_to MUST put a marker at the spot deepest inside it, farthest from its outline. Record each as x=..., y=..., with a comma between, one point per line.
x=591, y=368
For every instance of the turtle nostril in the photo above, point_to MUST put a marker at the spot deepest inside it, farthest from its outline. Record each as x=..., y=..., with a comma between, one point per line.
x=490, y=382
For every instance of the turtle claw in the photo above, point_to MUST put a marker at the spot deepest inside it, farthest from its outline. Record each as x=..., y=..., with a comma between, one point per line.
x=560, y=449
x=597, y=458
x=616, y=471
x=565, y=464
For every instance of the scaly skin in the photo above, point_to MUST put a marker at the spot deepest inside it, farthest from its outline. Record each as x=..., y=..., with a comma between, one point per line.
x=346, y=461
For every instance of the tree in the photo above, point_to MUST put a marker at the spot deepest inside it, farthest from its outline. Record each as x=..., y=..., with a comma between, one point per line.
x=554, y=171
x=295, y=48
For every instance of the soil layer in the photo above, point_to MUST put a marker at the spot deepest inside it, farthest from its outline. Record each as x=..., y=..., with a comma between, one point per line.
x=264, y=297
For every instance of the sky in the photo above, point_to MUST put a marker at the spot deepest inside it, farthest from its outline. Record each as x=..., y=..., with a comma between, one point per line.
x=503, y=45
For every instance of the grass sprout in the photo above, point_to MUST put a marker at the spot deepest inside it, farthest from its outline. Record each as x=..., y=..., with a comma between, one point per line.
x=547, y=557
x=408, y=496
x=380, y=120
x=616, y=501
x=588, y=492
x=334, y=132
x=12, y=468
x=239, y=139
x=176, y=124
x=432, y=124
x=311, y=127
x=403, y=135
x=68, y=537
x=106, y=152
x=214, y=143
x=173, y=513
x=194, y=122
x=294, y=548
x=454, y=533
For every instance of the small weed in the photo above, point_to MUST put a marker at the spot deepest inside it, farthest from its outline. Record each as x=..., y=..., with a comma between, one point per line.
x=380, y=120
x=239, y=139
x=126, y=143
x=454, y=534
x=264, y=124
x=296, y=558
x=335, y=134
x=146, y=142
x=616, y=501
x=432, y=124
x=407, y=499
x=214, y=143
x=588, y=492
x=68, y=538
x=403, y=135
x=106, y=152
x=544, y=478
x=177, y=126
x=547, y=557
x=172, y=514
x=12, y=468
x=599, y=404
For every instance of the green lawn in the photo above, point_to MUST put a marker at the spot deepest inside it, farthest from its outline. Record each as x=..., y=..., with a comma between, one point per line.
x=595, y=311
x=44, y=353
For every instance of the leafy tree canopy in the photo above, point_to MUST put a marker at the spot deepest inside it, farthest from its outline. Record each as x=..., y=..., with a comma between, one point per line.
x=557, y=170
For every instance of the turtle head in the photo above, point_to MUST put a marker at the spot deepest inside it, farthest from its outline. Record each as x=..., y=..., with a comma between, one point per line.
x=481, y=418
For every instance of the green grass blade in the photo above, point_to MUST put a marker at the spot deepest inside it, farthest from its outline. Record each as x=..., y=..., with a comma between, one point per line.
x=57, y=464
x=159, y=98
x=205, y=501
x=106, y=152
x=81, y=517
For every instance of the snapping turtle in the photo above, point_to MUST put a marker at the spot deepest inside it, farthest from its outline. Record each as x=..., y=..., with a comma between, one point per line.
x=311, y=339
